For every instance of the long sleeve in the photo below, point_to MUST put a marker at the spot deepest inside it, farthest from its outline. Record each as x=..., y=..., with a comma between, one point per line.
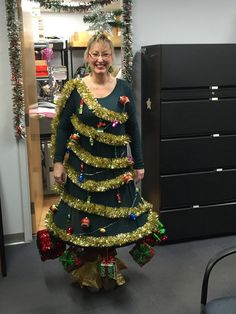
x=132, y=129
x=65, y=127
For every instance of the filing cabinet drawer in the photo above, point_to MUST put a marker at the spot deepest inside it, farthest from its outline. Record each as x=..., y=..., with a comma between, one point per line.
x=202, y=222
x=197, y=154
x=200, y=188
x=198, y=117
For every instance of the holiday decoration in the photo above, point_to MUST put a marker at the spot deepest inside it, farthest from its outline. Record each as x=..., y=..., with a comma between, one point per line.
x=85, y=222
x=49, y=246
x=93, y=185
x=72, y=258
x=102, y=210
x=103, y=21
x=14, y=38
x=115, y=123
x=158, y=236
x=128, y=177
x=69, y=230
x=81, y=105
x=99, y=162
x=100, y=126
x=58, y=5
x=132, y=216
x=69, y=218
x=124, y=100
x=53, y=208
x=74, y=137
x=127, y=44
x=142, y=253
x=118, y=197
x=108, y=267
x=102, y=230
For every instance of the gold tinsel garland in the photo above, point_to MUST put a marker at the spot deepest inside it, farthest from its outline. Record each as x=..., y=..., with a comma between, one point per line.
x=60, y=104
x=106, y=211
x=96, y=186
x=96, y=108
x=99, y=162
x=104, y=241
x=102, y=137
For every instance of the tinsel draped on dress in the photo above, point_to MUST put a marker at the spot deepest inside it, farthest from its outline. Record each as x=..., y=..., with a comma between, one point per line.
x=93, y=134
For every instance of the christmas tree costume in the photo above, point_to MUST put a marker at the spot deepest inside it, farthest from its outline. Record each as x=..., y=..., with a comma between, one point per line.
x=100, y=208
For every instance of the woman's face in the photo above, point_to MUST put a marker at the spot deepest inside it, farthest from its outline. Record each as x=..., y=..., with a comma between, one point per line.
x=100, y=58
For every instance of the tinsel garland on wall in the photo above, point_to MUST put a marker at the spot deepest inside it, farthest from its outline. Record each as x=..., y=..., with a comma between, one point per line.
x=127, y=43
x=14, y=46
x=59, y=5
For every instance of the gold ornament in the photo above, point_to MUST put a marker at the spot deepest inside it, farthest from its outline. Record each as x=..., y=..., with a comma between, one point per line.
x=102, y=230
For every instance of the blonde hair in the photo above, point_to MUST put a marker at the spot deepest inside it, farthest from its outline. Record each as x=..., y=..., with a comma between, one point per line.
x=98, y=38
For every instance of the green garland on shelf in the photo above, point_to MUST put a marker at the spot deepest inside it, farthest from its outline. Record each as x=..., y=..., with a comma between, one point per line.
x=14, y=47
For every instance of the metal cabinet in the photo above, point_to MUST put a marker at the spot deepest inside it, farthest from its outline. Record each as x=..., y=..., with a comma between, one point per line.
x=189, y=137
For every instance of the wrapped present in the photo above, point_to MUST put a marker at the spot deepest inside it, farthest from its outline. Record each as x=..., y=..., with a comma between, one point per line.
x=49, y=246
x=71, y=259
x=142, y=253
x=158, y=236
x=108, y=267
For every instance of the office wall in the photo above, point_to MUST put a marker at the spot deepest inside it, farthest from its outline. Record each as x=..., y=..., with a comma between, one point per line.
x=13, y=157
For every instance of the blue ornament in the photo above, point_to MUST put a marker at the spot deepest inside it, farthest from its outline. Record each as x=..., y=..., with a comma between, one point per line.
x=81, y=178
x=132, y=216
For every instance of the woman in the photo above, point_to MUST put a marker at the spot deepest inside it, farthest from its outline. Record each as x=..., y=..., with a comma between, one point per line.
x=100, y=207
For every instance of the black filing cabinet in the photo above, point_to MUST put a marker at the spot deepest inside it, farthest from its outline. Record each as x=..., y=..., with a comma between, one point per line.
x=189, y=137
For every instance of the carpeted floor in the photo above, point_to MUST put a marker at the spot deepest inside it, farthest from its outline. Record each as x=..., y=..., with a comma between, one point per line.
x=169, y=284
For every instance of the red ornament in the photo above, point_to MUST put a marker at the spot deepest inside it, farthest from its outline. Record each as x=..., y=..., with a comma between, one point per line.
x=164, y=239
x=118, y=197
x=82, y=167
x=69, y=230
x=74, y=137
x=124, y=100
x=81, y=106
x=128, y=177
x=53, y=208
x=85, y=222
x=101, y=124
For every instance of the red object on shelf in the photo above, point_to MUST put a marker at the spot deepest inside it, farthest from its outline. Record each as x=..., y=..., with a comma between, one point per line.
x=41, y=70
x=41, y=74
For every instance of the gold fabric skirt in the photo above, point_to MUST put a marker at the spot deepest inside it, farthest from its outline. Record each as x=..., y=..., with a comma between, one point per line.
x=88, y=274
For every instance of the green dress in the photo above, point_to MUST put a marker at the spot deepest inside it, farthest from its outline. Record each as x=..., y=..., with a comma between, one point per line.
x=100, y=206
